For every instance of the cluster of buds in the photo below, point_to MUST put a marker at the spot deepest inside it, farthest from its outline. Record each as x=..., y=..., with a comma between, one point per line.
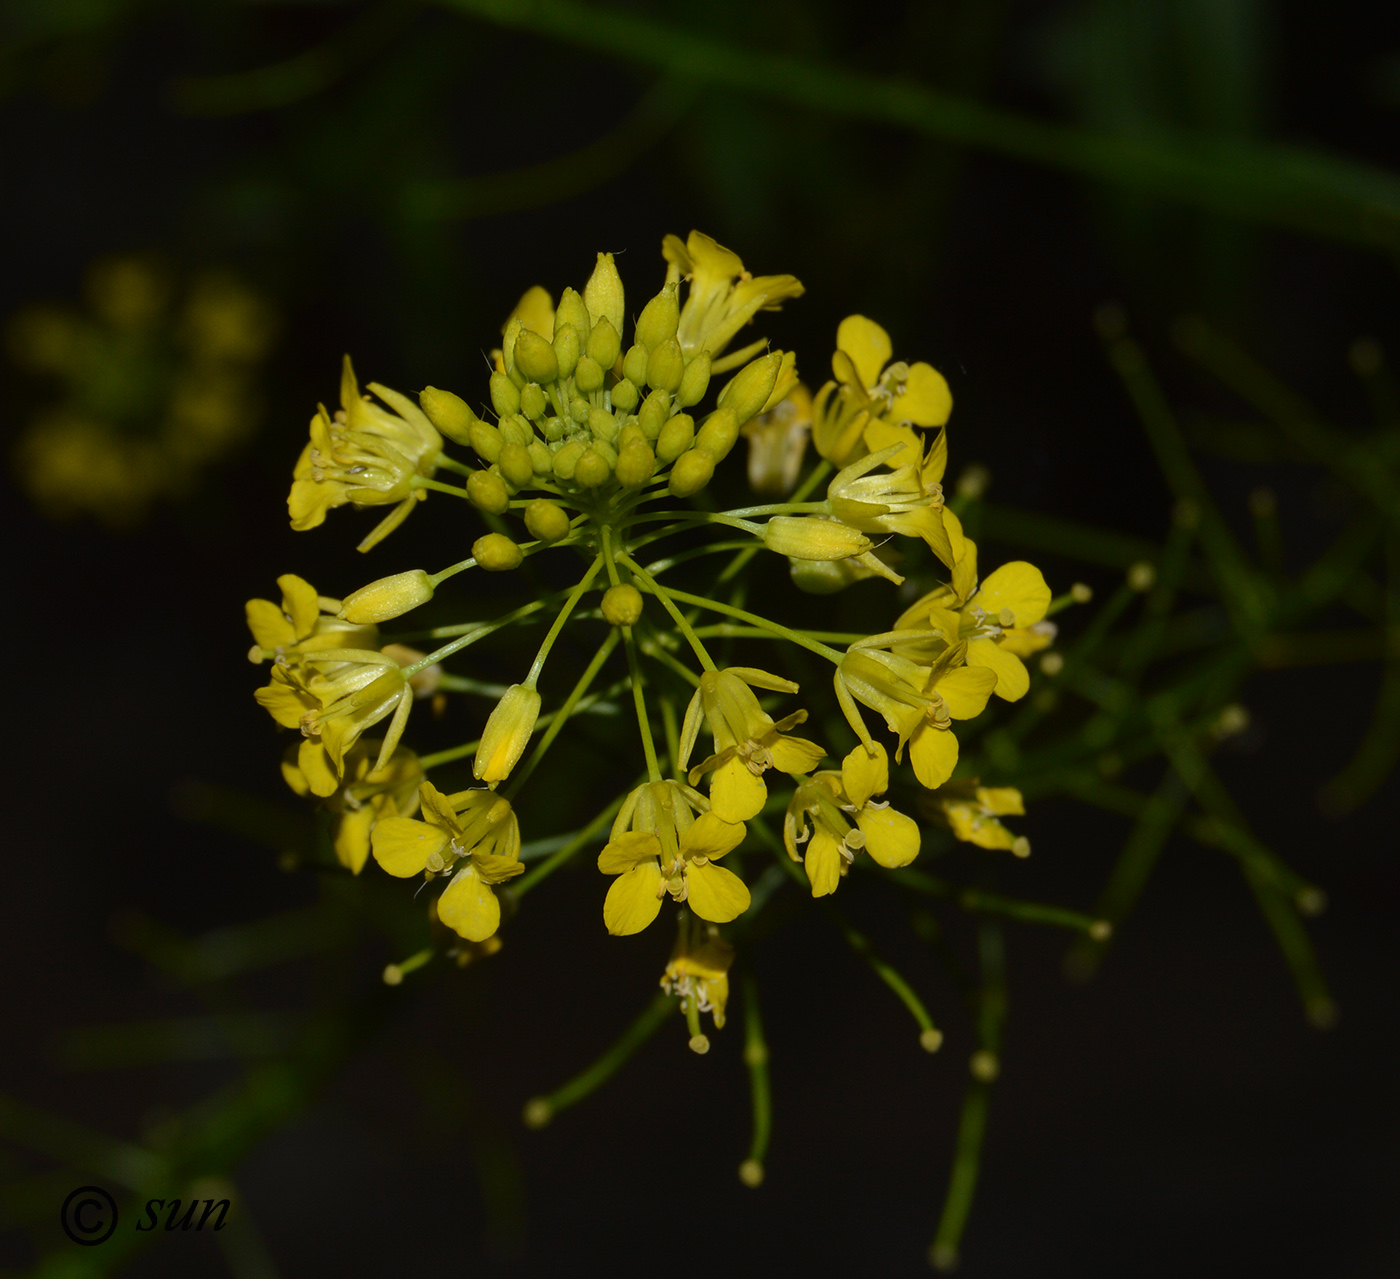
x=583, y=433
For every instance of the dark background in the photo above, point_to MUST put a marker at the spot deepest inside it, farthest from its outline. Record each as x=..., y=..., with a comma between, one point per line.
x=1176, y=1113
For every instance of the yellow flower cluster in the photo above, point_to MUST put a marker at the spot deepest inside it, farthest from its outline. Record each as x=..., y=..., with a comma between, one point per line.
x=586, y=434
x=154, y=382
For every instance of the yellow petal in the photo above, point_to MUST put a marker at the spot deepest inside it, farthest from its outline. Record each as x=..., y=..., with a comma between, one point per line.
x=934, y=753
x=891, y=838
x=823, y=863
x=926, y=401
x=1019, y=587
x=632, y=901
x=627, y=850
x=1025, y=641
x=966, y=690
x=436, y=808
x=402, y=845
x=1013, y=682
x=469, y=907
x=880, y=434
x=965, y=566
x=935, y=462
x=300, y=602
x=865, y=774
x=795, y=754
x=536, y=312
x=715, y=894
x=322, y=777
x=269, y=626
x=867, y=344
x=352, y=838
x=1002, y=800
x=711, y=836
x=283, y=702
x=736, y=794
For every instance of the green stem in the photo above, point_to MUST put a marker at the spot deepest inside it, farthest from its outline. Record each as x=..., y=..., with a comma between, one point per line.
x=773, y=628
x=760, y=1091
x=555, y=860
x=664, y=595
x=558, y=625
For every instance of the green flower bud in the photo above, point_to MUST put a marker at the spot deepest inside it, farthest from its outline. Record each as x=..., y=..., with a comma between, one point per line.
x=666, y=366
x=541, y=459
x=651, y=417
x=506, y=735
x=625, y=396
x=592, y=469
x=636, y=464
x=486, y=440
x=588, y=375
x=496, y=553
x=449, y=413
x=514, y=328
x=533, y=401
x=812, y=538
x=606, y=450
x=553, y=429
x=602, y=424
x=659, y=319
x=718, y=434
x=535, y=358
x=505, y=396
x=622, y=605
x=630, y=431
x=695, y=381
x=389, y=597
x=602, y=295
x=515, y=430
x=515, y=464
x=567, y=459
x=546, y=520
x=676, y=436
x=691, y=473
x=750, y=387
x=604, y=344
x=634, y=364
x=487, y=492
x=567, y=349
x=579, y=410
x=571, y=312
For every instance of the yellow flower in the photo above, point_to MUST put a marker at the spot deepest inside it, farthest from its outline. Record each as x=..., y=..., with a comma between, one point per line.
x=873, y=404
x=303, y=624
x=890, y=502
x=365, y=797
x=659, y=846
x=722, y=297
x=363, y=454
x=507, y=733
x=828, y=802
x=699, y=968
x=972, y=811
x=918, y=702
x=747, y=740
x=474, y=832
x=777, y=441
x=995, y=620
